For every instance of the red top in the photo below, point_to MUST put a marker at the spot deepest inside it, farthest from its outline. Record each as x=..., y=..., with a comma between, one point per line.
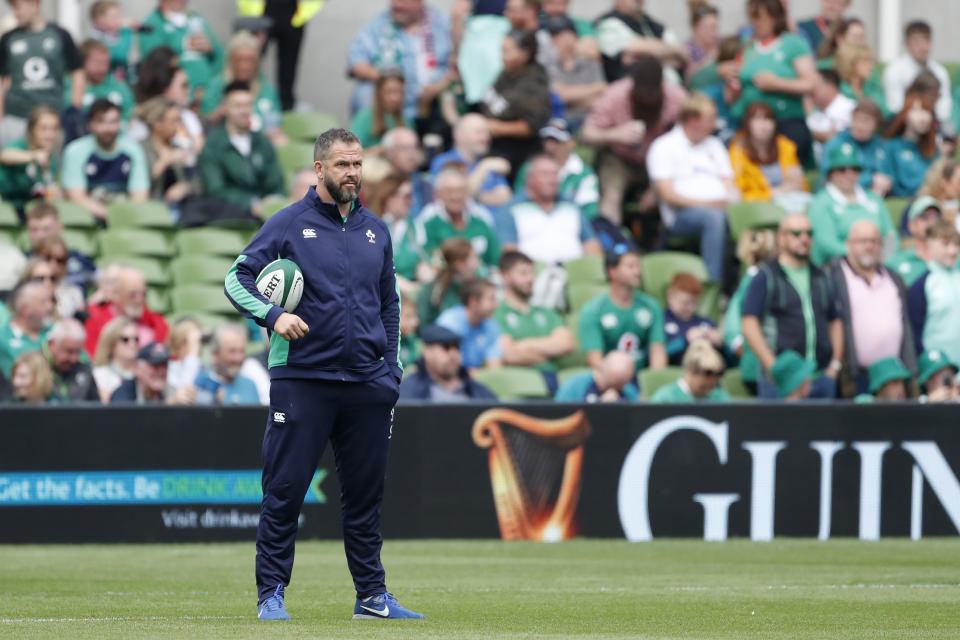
x=151, y=327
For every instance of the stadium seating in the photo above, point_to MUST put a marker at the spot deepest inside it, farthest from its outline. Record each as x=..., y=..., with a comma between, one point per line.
x=293, y=157
x=8, y=217
x=574, y=359
x=579, y=293
x=660, y=267
x=199, y=269
x=753, y=215
x=210, y=241
x=201, y=298
x=732, y=383
x=306, y=126
x=271, y=206
x=565, y=374
x=73, y=215
x=126, y=242
x=514, y=383
x=585, y=270
x=151, y=214
x=85, y=241
x=154, y=270
x=653, y=379
x=896, y=208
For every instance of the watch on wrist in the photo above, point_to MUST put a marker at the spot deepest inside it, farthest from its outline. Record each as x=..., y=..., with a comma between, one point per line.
x=836, y=365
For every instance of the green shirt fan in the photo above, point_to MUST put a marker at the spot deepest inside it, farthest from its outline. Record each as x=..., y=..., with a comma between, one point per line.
x=281, y=282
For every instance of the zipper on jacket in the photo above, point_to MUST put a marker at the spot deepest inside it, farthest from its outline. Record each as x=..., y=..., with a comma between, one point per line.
x=346, y=293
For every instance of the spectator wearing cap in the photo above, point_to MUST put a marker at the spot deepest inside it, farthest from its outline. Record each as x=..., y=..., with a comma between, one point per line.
x=623, y=318
x=73, y=379
x=473, y=322
x=578, y=181
x=911, y=263
x=471, y=148
x=440, y=376
x=627, y=31
x=702, y=370
x=691, y=173
x=791, y=306
x=862, y=135
x=934, y=299
x=413, y=37
x=222, y=383
x=937, y=377
x=841, y=203
x=888, y=382
x=531, y=336
x=31, y=305
x=873, y=302
x=575, y=78
x=453, y=214
x=544, y=227
x=149, y=384
x=623, y=123
x=942, y=183
x=791, y=375
x=612, y=381
x=681, y=323
x=127, y=298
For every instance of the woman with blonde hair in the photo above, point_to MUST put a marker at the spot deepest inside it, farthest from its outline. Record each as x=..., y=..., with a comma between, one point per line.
x=857, y=68
x=29, y=166
x=754, y=247
x=31, y=379
x=702, y=370
x=942, y=183
x=243, y=65
x=116, y=356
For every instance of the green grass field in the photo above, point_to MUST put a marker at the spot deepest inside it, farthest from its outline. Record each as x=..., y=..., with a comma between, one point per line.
x=841, y=589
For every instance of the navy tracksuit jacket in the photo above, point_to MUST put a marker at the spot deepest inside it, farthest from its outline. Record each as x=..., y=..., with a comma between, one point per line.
x=338, y=383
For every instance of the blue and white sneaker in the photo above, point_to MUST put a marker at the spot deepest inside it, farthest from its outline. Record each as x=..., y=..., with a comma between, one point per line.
x=382, y=606
x=273, y=608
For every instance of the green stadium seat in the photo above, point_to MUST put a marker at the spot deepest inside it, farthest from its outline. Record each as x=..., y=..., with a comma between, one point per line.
x=293, y=157
x=653, y=379
x=210, y=241
x=72, y=215
x=753, y=215
x=574, y=359
x=152, y=214
x=732, y=383
x=565, y=374
x=201, y=298
x=208, y=321
x=514, y=383
x=660, y=267
x=710, y=301
x=587, y=154
x=271, y=206
x=84, y=241
x=158, y=299
x=586, y=269
x=138, y=242
x=154, y=270
x=579, y=293
x=8, y=217
x=200, y=269
x=306, y=126
x=895, y=206
x=10, y=237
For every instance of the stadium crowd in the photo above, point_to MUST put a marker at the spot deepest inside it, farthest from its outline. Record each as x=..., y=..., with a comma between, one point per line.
x=581, y=207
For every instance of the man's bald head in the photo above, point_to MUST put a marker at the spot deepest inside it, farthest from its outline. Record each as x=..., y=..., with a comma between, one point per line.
x=32, y=304
x=471, y=135
x=617, y=370
x=864, y=244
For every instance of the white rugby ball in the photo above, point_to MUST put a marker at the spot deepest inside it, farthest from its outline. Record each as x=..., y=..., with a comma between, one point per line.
x=281, y=282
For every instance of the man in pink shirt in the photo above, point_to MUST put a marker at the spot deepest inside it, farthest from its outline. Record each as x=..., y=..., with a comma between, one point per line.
x=873, y=302
x=623, y=122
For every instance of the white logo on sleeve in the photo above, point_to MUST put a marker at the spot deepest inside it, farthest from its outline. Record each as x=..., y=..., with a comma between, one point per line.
x=280, y=418
x=370, y=236
x=309, y=233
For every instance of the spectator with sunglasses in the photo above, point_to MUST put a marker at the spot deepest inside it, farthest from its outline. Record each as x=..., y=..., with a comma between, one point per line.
x=116, y=356
x=702, y=369
x=69, y=297
x=791, y=306
x=841, y=203
x=43, y=221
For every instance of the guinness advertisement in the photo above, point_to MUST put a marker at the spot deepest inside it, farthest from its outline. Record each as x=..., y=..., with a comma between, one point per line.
x=528, y=472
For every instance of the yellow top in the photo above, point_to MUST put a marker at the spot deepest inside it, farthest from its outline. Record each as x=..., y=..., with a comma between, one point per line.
x=306, y=9
x=750, y=179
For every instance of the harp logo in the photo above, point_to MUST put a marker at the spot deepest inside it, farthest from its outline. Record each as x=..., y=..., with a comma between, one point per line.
x=529, y=458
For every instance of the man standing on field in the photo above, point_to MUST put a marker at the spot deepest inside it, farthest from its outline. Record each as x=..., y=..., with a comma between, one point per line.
x=334, y=372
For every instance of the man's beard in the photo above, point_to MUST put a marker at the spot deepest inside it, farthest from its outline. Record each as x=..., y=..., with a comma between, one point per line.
x=340, y=196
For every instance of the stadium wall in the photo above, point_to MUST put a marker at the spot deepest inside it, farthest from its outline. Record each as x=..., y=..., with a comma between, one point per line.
x=77, y=474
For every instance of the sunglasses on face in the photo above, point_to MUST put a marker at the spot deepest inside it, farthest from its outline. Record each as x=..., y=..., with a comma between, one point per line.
x=796, y=233
x=45, y=278
x=710, y=373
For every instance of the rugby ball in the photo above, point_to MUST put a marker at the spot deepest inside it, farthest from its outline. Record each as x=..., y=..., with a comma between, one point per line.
x=281, y=283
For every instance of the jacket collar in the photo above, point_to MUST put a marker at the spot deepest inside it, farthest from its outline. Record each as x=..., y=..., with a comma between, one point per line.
x=329, y=209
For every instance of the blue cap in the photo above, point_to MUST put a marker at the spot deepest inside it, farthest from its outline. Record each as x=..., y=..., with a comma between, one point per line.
x=435, y=334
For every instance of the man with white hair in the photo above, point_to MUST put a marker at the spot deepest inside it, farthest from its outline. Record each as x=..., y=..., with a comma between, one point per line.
x=129, y=299
x=72, y=378
x=471, y=144
x=32, y=307
x=222, y=383
x=454, y=215
x=401, y=149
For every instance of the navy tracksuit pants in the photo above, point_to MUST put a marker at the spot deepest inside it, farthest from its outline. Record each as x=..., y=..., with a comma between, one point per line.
x=356, y=417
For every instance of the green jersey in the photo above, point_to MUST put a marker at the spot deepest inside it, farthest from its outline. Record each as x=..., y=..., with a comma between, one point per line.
x=425, y=303
x=21, y=183
x=409, y=349
x=537, y=322
x=267, y=113
x=437, y=229
x=13, y=342
x=679, y=392
x=908, y=265
x=776, y=57
x=175, y=31
x=362, y=126
x=112, y=89
x=832, y=214
x=604, y=326
x=36, y=63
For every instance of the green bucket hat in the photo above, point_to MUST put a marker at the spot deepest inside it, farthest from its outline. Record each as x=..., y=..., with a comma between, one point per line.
x=844, y=155
x=932, y=361
x=790, y=371
x=921, y=204
x=883, y=371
